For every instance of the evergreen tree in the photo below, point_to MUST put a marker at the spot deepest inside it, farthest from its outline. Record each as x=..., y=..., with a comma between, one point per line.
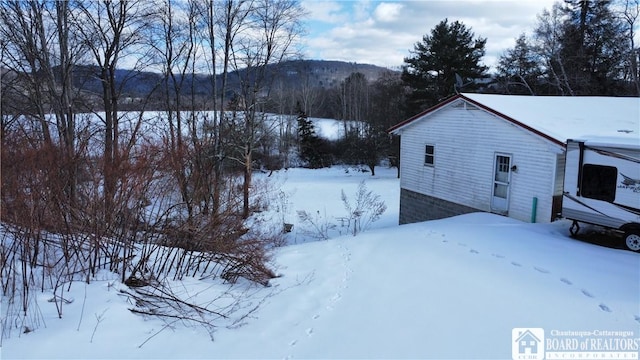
x=443, y=59
x=313, y=150
x=593, y=47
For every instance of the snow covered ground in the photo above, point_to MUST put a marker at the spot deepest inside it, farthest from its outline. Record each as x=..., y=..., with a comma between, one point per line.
x=447, y=289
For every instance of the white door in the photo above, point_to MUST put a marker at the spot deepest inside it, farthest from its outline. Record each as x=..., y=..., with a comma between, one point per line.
x=501, y=180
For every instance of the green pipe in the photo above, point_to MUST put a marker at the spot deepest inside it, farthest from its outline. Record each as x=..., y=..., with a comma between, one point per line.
x=534, y=209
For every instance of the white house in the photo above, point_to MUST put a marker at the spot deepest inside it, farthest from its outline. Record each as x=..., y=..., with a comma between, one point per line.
x=499, y=153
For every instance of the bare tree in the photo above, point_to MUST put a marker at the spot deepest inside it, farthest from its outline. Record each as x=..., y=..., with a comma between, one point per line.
x=310, y=96
x=113, y=32
x=125, y=205
x=548, y=37
x=232, y=22
x=40, y=48
x=273, y=29
x=176, y=53
x=284, y=101
x=355, y=97
x=519, y=69
x=40, y=52
x=629, y=11
x=25, y=52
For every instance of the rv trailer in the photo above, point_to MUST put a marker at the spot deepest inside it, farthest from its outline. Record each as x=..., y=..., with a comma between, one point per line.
x=602, y=186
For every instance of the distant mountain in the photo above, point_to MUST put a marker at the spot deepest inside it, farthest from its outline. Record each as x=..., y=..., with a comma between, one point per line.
x=322, y=73
x=314, y=73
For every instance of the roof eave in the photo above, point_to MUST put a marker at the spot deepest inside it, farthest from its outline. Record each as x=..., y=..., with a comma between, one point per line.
x=548, y=137
x=396, y=128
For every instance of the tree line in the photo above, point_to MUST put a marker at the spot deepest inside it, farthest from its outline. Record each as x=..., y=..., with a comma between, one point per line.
x=576, y=48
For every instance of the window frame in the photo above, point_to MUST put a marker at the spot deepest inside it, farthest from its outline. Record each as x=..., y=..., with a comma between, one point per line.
x=599, y=182
x=429, y=155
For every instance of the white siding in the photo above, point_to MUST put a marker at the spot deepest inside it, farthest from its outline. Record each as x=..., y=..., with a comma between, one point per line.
x=466, y=140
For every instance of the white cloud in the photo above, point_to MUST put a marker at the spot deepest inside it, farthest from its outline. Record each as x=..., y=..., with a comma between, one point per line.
x=332, y=12
x=361, y=9
x=387, y=12
x=383, y=33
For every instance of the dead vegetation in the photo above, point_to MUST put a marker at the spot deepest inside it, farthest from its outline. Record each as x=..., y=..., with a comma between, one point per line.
x=53, y=237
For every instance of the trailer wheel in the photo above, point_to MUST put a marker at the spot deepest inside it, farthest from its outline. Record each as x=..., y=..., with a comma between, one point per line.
x=632, y=240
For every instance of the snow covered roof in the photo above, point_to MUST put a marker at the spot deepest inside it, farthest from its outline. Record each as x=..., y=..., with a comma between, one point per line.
x=610, y=141
x=560, y=117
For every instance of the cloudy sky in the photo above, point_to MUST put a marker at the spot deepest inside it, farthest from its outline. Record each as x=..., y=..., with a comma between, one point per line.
x=383, y=32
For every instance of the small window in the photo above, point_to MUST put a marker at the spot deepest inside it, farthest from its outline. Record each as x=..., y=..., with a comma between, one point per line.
x=599, y=182
x=429, y=155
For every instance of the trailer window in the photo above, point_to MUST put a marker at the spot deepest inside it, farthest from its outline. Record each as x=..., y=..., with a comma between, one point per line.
x=599, y=182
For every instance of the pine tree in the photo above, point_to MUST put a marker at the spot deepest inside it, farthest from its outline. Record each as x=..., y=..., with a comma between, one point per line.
x=313, y=150
x=450, y=52
x=593, y=47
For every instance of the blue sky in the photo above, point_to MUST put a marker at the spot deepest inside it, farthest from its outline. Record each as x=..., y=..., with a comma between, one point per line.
x=383, y=32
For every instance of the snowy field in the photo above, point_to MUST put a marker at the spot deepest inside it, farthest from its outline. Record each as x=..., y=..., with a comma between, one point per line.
x=447, y=289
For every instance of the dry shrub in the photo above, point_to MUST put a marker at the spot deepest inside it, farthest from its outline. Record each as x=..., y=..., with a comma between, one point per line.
x=33, y=184
x=147, y=232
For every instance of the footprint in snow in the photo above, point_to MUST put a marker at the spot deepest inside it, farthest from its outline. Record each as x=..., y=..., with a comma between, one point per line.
x=309, y=332
x=293, y=343
x=315, y=316
x=445, y=241
x=515, y=263
x=604, y=307
x=637, y=317
x=462, y=244
x=474, y=251
x=498, y=256
x=566, y=281
x=542, y=270
x=586, y=293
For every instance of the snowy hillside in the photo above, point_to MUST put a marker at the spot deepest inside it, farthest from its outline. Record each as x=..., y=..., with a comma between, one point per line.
x=453, y=288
